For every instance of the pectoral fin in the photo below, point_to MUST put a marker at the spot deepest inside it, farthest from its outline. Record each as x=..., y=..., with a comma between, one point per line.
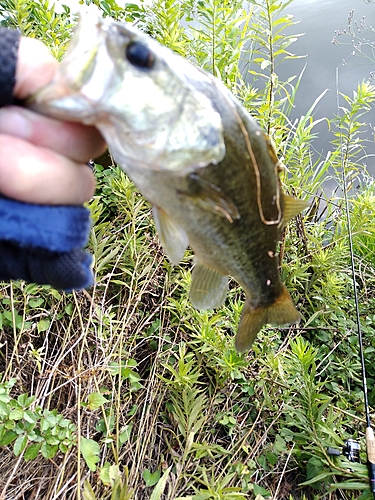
x=292, y=207
x=208, y=287
x=280, y=312
x=172, y=237
x=211, y=198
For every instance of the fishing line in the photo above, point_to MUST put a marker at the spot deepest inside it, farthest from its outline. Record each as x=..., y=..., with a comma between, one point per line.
x=370, y=440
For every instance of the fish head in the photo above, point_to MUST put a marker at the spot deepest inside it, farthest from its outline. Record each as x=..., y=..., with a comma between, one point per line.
x=139, y=94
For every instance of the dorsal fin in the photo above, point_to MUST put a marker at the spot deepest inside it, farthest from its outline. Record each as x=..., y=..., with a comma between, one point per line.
x=292, y=207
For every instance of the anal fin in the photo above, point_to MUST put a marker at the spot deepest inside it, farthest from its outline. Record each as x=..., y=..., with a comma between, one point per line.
x=208, y=288
x=172, y=237
x=280, y=312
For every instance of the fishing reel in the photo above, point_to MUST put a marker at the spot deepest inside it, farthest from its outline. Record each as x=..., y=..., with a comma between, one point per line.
x=350, y=450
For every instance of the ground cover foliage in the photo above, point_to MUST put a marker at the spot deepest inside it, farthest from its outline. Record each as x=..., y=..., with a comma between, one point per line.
x=124, y=391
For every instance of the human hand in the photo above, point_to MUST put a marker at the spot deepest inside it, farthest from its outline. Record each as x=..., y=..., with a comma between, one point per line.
x=43, y=166
x=43, y=160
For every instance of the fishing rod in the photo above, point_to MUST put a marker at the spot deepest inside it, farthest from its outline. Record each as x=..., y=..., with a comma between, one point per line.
x=351, y=448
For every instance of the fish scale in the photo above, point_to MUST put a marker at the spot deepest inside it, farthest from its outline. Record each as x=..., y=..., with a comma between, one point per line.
x=194, y=152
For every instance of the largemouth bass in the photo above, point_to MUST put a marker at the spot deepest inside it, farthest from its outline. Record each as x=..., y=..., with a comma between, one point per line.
x=194, y=152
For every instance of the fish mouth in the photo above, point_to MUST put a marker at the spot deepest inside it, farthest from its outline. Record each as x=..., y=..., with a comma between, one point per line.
x=78, y=86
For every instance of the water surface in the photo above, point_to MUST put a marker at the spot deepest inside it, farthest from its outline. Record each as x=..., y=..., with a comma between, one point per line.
x=329, y=66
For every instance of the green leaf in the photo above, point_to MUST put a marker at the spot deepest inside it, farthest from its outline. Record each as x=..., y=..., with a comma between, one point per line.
x=90, y=451
x=20, y=444
x=52, y=440
x=96, y=400
x=151, y=478
x=104, y=474
x=34, y=436
x=16, y=414
x=159, y=488
x=44, y=425
x=271, y=458
x=49, y=421
x=114, y=368
x=319, y=477
x=125, y=433
x=88, y=492
x=30, y=417
x=33, y=303
x=43, y=325
x=314, y=468
x=259, y=490
x=68, y=309
x=105, y=426
x=8, y=438
x=64, y=423
x=48, y=451
x=32, y=451
x=22, y=399
x=109, y=474
x=123, y=368
x=4, y=408
x=279, y=445
x=63, y=447
x=349, y=485
x=132, y=411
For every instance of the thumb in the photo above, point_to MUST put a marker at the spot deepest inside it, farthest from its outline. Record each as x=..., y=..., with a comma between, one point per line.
x=35, y=67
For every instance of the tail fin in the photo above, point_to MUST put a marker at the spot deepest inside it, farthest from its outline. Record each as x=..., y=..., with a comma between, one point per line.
x=281, y=312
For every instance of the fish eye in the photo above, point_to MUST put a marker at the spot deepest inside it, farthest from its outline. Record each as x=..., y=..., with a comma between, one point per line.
x=140, y=55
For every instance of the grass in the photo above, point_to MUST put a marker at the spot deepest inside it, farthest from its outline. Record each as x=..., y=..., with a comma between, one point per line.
x=124, y=391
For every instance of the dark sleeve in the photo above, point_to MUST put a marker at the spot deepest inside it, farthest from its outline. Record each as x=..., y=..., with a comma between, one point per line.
x=9, y=41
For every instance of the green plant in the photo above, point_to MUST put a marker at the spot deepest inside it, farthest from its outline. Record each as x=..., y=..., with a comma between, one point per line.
x=215, y=489
x=39, y=20
x=110, y=475
x=32, y=429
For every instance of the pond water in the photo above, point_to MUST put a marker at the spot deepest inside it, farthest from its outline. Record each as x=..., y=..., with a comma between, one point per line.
x=319, y=19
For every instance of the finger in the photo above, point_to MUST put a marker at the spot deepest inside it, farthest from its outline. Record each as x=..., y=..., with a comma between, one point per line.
x=38, y=175
x=74, y=140
x=35, y=67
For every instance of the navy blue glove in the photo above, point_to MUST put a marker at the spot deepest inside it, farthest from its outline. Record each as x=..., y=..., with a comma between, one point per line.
x=43, y=244
x=39, y=244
